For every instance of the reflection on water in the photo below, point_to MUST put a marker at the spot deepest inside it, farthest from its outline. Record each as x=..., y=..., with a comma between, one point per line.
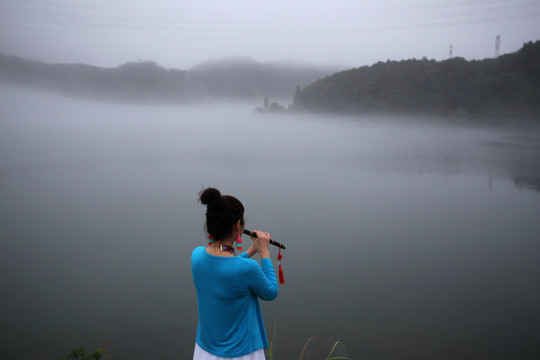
x=531, y=182
x=404, y=240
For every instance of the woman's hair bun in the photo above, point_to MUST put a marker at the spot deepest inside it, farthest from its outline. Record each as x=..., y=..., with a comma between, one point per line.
x=222, y=212
x=210, y=196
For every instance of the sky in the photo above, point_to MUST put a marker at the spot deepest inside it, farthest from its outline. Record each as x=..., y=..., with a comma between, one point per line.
x=181, y=34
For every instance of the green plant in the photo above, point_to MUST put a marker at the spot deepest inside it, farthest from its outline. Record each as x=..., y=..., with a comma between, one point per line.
x=305, y=347
x=80, y=353
x=270, y=353
x=330, y=357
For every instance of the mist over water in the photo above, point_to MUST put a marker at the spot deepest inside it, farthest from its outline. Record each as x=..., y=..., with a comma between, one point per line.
x=405, y=239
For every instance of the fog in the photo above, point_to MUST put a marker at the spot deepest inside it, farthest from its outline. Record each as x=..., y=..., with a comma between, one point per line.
x=181, y=34
x=406, y=238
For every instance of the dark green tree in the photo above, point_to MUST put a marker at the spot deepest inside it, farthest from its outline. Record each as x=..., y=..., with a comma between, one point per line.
x=508, y=86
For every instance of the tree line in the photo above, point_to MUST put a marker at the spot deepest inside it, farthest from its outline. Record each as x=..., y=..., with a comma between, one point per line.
x=507, y=86
x=240, y=79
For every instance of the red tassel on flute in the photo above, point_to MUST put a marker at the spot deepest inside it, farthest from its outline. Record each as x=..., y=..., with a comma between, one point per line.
x=281, y=277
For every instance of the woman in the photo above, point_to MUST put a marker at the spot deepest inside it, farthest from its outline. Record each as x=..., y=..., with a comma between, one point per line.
x=229, y=286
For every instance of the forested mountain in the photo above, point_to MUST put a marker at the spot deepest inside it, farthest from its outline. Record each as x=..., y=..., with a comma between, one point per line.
x=131, y=81
x=147, y=81
x=505, y=87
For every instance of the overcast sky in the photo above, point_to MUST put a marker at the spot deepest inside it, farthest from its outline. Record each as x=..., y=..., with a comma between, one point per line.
x=180, y=34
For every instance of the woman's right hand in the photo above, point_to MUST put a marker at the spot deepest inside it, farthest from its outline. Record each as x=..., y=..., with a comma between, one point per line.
x=261, y=243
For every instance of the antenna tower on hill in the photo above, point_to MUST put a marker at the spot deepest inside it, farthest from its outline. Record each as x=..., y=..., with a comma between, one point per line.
x=497, y=45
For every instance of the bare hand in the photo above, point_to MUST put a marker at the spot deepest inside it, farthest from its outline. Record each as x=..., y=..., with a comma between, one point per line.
x=261, y=243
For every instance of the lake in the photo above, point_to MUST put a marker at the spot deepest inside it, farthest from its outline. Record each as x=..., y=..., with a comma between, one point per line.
x=407, y=238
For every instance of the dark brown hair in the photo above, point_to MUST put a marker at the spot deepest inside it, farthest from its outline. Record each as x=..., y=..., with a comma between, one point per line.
x=222, y=212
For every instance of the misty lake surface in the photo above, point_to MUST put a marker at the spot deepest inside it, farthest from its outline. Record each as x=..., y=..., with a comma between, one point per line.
x=406, y=240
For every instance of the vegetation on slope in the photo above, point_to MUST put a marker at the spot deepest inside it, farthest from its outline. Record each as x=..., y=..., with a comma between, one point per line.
x=239, y=79
x=503, y=87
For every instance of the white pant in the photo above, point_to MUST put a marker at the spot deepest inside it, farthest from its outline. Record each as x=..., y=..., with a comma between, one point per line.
x=201, y=354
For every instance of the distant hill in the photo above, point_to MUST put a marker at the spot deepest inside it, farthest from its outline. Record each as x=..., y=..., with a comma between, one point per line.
x=246, y=78
x=131, y=81
x=242, y=79
x=508, y=86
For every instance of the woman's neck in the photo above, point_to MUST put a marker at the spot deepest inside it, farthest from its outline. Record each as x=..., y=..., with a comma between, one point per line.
x=228, y=242
x=222, y=247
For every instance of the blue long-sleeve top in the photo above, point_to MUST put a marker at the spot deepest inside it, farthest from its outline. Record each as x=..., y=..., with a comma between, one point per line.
x=228, y=289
